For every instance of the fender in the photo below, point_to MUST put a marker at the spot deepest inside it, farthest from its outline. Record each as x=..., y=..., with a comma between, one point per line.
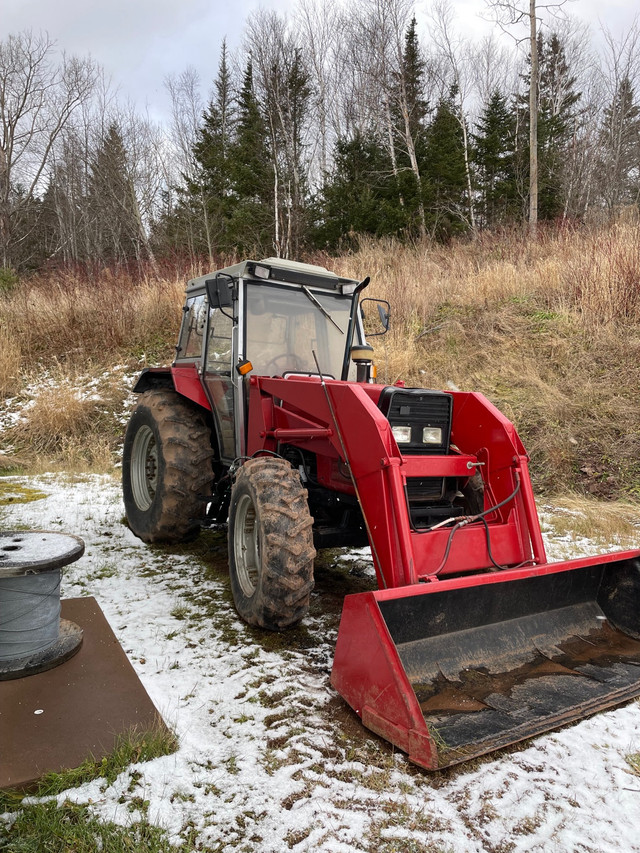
x=185, y=380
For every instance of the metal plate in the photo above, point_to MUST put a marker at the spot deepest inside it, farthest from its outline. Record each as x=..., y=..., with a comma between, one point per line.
x=59, y=718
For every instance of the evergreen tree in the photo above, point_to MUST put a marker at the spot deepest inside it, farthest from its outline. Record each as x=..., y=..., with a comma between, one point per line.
x=250, y=168
x=557, y=113
x=409, y=113
x=494, y=152
x=113, y=207
x=361, y=195
x=412, y=77
x=445, y=184
x=210, y=190
x=557, y=102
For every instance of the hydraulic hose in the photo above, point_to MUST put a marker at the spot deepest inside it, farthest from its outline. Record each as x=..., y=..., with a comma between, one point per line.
x=469, y=519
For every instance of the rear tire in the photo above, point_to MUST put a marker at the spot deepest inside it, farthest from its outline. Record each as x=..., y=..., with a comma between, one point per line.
x=166, y=468
x=270, y=544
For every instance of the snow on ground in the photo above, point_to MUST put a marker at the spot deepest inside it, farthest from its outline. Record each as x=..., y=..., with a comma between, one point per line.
x=270, y=759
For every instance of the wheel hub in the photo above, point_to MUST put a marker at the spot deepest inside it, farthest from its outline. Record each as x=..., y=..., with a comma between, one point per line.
x=144, y=468
x=247, y=546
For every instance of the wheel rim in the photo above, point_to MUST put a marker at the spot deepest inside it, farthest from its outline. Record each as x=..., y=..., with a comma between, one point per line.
x=246, y=546
x=144, y=468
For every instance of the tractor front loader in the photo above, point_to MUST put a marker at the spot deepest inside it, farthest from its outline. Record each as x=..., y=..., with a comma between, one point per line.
x=270, y=419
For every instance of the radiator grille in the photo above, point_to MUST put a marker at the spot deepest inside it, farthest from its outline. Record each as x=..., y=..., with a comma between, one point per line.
x=425, y=489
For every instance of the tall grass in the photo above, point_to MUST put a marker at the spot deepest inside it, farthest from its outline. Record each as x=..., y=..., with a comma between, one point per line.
x=549, y=330
x=70, y=319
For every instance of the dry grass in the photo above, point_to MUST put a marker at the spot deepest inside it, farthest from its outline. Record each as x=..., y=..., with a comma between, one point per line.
x=66, y=424
x=71, y=319
x=10, y=362
x=615, y=523
x=634, y=762
x=549, y=331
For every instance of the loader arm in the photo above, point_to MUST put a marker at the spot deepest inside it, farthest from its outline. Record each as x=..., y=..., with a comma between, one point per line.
x=350, y=426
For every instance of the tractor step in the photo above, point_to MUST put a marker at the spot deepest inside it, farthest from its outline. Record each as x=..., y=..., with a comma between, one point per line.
x=459, y=668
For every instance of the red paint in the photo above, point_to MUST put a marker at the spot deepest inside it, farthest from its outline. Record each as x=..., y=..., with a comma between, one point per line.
x=349, y=433
x=402, y=555
x=186, y=380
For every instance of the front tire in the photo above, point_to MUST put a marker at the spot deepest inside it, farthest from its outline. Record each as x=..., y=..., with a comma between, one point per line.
x=270, y=544
x=166, y=468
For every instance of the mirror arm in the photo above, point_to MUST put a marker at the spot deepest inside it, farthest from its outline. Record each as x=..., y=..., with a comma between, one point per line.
x=351, y=329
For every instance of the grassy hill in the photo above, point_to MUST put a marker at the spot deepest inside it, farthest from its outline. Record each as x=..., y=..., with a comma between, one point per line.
x=549, y=331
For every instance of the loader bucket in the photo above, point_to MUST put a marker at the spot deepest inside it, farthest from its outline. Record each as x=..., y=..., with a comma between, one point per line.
x=453, y=669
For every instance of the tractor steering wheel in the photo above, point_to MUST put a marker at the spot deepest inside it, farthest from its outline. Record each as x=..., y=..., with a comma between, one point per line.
x=272, y=365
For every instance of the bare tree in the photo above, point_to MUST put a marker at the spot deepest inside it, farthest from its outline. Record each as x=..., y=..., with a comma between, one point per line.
x=187, y=107
x=38, y=95
x=282, y=81
x=491, y=69
x=70, y=169
x=319, y=24
x=620, y=123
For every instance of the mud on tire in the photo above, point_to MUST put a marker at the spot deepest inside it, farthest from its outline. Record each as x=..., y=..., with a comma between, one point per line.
x=166, y=467
x=271, y=549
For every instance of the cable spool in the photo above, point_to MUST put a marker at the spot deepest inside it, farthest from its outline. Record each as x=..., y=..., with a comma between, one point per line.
x=33, y=637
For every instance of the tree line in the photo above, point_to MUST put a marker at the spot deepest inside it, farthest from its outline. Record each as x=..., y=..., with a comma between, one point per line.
x=328, y=123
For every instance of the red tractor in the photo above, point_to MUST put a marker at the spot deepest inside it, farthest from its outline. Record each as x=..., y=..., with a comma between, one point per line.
x=270, y=419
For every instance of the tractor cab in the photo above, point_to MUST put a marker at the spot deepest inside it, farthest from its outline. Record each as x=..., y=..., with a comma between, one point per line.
x=282, y=312
x=268, y=318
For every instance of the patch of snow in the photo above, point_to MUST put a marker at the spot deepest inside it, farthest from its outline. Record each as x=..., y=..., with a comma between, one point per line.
x=268, y=756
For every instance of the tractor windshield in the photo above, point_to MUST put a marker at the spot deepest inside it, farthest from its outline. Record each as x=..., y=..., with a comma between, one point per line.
x=285, y=325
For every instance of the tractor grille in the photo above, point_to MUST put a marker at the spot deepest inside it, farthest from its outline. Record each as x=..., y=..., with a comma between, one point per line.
x=417, y=409
x=431, y=499
x=425, y=489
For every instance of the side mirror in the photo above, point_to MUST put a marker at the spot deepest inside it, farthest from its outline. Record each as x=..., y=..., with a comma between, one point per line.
x=371, y=324
x=219, y=291
x=384, y=312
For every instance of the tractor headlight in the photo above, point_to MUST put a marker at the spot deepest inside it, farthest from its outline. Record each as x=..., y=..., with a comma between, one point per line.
x=432, y=435
x=402, y=434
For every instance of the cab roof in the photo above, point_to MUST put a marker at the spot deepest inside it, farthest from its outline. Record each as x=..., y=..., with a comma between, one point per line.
x=278, y=270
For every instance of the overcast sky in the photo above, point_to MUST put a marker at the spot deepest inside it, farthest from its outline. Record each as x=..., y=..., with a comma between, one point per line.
x=140, y=42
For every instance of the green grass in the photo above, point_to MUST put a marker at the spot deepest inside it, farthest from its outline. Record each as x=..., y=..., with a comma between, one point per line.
x=131, y=748
x=71, y=828
x=17, y=493
x=36, y=827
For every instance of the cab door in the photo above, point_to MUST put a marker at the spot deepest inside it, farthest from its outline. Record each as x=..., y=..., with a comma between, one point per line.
x=219, y=379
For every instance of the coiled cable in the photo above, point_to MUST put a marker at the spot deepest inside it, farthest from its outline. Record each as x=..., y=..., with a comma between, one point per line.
x=29, y=614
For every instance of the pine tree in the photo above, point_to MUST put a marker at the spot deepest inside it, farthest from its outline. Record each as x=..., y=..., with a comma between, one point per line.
x=361, y=195
x=445, y=185
x=250, y=167
x=557, y=111
x=413, y=73
x=409, y=114
x=210, y=190
x=113, y=207
x=494, y=151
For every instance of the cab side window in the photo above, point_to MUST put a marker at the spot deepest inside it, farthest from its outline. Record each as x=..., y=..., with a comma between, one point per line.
x=220, y=339
x=193, y=328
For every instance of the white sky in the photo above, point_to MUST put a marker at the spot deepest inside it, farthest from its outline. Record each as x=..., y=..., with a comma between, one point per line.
x=140, y=42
